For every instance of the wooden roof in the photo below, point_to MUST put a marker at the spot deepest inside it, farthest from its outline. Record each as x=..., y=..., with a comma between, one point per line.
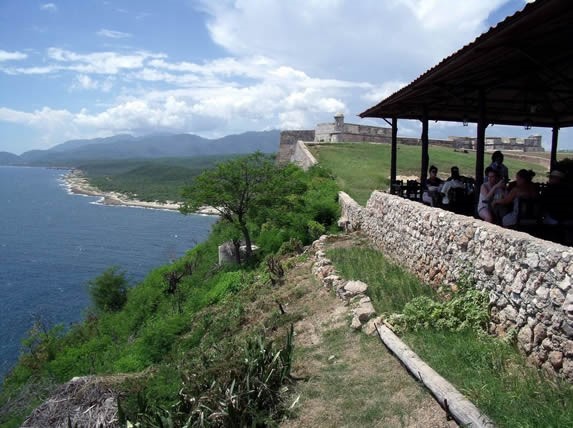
x=523, y=67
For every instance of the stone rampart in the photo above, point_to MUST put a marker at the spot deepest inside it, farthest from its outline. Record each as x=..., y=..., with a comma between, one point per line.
x=528, y=279
x=350, y=211
x=302, y=157
x=288, y=142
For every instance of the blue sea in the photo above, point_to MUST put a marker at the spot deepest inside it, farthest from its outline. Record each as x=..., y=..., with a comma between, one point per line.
x=52, y=243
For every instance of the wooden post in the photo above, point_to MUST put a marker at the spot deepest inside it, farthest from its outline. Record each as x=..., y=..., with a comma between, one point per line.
x=463, y=411
x=554, y=139
x=480, y=144
x=394, y=150
x=425, y=143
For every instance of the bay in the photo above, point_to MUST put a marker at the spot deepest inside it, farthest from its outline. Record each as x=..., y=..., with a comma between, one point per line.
x=52, y=243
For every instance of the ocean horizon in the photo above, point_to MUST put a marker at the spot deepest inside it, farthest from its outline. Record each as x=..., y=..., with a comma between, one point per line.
x=53, y=242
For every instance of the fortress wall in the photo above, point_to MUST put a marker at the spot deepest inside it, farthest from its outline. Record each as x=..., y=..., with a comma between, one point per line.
x=529, y=280
x=323, y=132
x=302, y=156
x=288, y=142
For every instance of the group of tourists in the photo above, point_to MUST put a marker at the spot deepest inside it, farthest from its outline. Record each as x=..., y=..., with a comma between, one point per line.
x=501, y=201
x=443, y=193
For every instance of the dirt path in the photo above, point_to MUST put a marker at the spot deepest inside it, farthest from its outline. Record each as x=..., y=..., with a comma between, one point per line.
x=350, y=379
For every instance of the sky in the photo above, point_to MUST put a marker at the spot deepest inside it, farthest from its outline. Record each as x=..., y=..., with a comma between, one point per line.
x=74, y=69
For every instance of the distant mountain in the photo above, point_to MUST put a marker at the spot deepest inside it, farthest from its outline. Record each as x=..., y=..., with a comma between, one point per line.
x=74, y=144
x=152, y=146
x=9, y=159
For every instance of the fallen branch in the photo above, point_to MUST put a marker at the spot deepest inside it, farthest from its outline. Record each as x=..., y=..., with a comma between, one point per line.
x=459, y=407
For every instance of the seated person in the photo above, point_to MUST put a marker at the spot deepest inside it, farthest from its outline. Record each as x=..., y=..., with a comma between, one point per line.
x=455, y=181
x=431, y=194
x=492, y=189
x=523, y=189
x=555, y=199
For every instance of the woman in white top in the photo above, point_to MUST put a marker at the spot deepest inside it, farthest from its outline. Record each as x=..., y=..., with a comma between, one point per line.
x=492, y=189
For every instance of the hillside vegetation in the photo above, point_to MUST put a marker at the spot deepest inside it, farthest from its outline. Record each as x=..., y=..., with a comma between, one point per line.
x=183, y=325
x=148, y=180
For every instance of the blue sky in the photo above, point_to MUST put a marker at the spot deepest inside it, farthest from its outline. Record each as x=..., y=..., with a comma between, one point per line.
x=93, y=68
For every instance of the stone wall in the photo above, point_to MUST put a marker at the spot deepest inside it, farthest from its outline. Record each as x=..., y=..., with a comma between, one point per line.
x=302, y=157
x=528, y=279
x=288, y=142
x=350, y=212
x=528, y=144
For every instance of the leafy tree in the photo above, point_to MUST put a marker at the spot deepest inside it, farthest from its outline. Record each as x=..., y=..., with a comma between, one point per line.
x=109, y=290
x=237, y=189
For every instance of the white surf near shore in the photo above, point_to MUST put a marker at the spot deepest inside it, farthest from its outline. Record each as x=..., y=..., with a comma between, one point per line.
x=77, y=184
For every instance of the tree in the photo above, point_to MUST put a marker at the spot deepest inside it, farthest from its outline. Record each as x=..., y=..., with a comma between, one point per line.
x=235, y=189
x=109, y=290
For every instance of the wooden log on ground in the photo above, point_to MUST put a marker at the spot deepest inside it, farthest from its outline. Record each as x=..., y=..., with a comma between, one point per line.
x=457, y=405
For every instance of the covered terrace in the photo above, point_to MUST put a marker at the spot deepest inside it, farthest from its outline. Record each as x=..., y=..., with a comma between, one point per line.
x=519, y=73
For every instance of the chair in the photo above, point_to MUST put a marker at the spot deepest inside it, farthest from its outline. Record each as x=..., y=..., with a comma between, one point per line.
x=397, y=187
x=413, y=190
x=529, y=212
x=458, y=200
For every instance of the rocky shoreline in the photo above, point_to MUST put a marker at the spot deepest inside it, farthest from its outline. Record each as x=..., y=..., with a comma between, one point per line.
x=76, y=183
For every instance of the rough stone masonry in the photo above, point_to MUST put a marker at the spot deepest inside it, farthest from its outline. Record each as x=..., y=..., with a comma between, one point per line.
x=529, y=280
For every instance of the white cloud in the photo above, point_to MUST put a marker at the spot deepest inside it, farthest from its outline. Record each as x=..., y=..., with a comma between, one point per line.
x=85, y=82
x=376, y=94
x=113, y=34
x=100, y=62
x=32, y=70
x=12, y=56
x=50, y=7
x=368, y=40
x=45, y=117
x=310, y=59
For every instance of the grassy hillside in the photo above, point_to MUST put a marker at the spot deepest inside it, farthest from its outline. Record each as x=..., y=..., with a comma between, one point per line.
x=361, y=168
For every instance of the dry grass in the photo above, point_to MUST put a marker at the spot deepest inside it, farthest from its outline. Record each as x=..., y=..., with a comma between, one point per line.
x=349, y=379
x=83, y=401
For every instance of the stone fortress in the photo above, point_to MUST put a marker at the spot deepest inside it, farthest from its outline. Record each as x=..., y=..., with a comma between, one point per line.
x=342, y=132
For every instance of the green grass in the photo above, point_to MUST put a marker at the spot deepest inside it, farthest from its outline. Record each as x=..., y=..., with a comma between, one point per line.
x=389, y=286
x=361, y=168
x=495, y=377
x=490, y=372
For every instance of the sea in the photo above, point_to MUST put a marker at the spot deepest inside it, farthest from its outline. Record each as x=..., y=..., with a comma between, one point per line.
x=53, y=242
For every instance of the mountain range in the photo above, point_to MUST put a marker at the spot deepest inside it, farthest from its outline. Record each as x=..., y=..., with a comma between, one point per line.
x=145, y=147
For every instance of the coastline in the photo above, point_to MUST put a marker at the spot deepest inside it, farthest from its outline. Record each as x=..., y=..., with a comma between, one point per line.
x=77, y=184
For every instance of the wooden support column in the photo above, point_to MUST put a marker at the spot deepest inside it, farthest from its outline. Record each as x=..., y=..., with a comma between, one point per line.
x=394, y=150
x=425, y=143
x=480, y=144
x=554, y=139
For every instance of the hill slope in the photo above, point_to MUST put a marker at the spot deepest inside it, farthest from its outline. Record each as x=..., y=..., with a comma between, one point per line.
x=147, y=147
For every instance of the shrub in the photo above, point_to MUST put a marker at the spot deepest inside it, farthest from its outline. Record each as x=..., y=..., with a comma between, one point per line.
x=245, y=389
x=315, y=230
x=109, y=290
x=467, y=309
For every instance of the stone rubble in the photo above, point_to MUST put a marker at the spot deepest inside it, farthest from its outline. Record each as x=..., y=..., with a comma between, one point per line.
x=353, y=293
